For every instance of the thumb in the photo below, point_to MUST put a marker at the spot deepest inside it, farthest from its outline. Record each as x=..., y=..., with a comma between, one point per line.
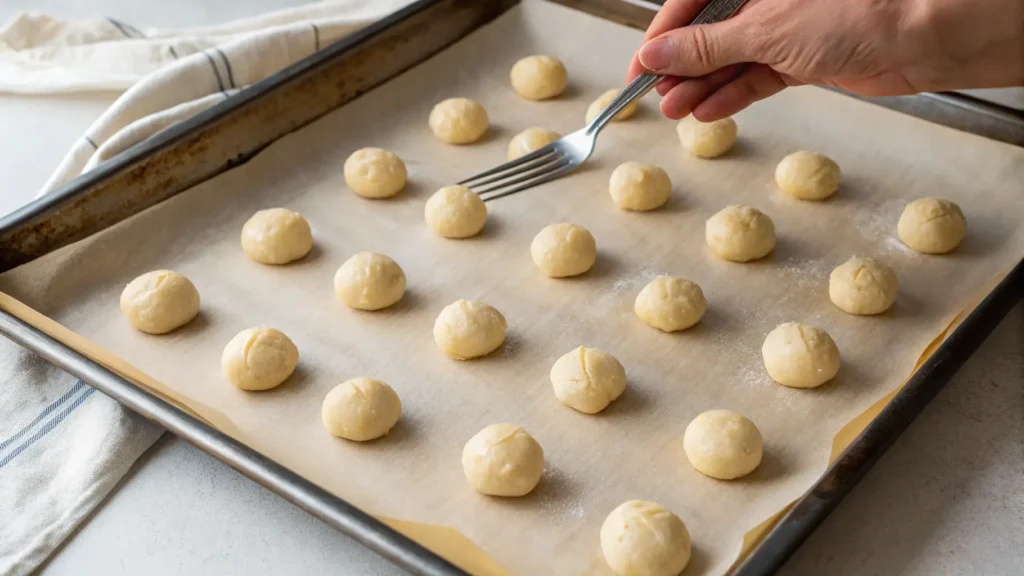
x=694, y=51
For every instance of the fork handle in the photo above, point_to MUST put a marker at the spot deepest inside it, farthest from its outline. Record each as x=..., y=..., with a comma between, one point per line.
x=715, y=11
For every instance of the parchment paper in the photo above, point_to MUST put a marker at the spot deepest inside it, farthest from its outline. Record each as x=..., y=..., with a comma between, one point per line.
x=634, y=449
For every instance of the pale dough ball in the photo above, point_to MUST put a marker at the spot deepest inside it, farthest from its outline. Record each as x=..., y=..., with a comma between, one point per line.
x=369, y=281
x=538, y=77
x=604, y=100
x=503, y=460
x=800, y=356
x=455, y=212
x=588, y=379
x=670, y=303
x=466, y=329
x=706, y=140
x=862, y=286
x=361, y=409
x=458, y=121
x=740, y=234
x=530, y=140
x=807, y=176
x=644, y=539
x=640, y=187
x=375, y=173
x=723, y=444
x=159, y=301
x=276, y=236
x=259, y=359
x=564, y=249
x=932, y=225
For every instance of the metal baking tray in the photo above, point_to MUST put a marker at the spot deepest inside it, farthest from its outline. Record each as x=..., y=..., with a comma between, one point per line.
x=230, y=133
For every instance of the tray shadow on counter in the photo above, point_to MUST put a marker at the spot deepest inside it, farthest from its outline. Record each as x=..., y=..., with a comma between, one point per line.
x=939, y=460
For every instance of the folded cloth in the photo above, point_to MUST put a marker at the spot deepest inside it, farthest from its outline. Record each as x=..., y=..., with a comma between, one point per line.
x=169, y=75
x=64, y=447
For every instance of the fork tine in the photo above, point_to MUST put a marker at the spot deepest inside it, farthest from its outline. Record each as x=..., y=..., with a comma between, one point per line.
x=526, y=171
x=537, y=182
x=554, y=164
x=509, y=165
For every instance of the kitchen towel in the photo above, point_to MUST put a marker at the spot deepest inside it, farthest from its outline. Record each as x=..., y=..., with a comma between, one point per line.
x=63, y=446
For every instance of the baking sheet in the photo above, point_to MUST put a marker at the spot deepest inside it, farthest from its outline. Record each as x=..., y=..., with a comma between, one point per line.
x=634, y=449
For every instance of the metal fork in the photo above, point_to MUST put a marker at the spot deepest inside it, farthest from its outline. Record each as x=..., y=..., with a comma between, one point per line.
x=566, y=154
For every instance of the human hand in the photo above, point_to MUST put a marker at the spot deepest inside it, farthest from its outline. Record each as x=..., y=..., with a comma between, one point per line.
x=869, y=47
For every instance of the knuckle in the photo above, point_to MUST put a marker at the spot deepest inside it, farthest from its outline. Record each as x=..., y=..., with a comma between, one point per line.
x=701, y=47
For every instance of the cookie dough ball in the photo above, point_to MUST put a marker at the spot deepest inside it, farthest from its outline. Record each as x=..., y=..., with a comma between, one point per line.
x=455, y=212
x=259, y=359
x=539, y=77
x=159, y=301
x=466, y=329
x=670, y=303
x=723, y=444
x=862, y=286
x=564, y=249
x=740, y=234
x=458, y=121
x=932, y=225
x=375, y=173
x=503, y=460
x=530, y=140
x=276, y=236
x=807, y=176
x=369, y=281
x=604, y=100
x=644, y=539
x=361, y=409
x=706, y=140
x=800, y=356
x=588, y=379
x=640, y=187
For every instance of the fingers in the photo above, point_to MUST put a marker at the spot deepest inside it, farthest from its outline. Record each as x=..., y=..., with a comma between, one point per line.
x=674, y=14
x=757, y=82
x=666, y=84
x=685, y=95
x=700, y=50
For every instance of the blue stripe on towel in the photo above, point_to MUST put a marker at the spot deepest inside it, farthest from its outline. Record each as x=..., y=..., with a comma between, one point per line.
x=220, y=82
x=120, y=27
x=227, y=66
x=47, y=428
x=46, y=411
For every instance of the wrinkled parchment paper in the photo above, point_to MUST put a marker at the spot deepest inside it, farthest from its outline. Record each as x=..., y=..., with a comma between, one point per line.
x=634, y=449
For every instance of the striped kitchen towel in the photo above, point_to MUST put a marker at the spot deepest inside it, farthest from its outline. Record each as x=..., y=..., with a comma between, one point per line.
x=168, y=75
x=63, y=447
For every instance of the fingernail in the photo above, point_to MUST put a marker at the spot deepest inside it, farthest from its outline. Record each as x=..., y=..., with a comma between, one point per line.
x=657, y=54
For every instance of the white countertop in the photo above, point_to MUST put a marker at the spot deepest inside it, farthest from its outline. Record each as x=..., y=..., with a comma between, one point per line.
x=948, y=498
